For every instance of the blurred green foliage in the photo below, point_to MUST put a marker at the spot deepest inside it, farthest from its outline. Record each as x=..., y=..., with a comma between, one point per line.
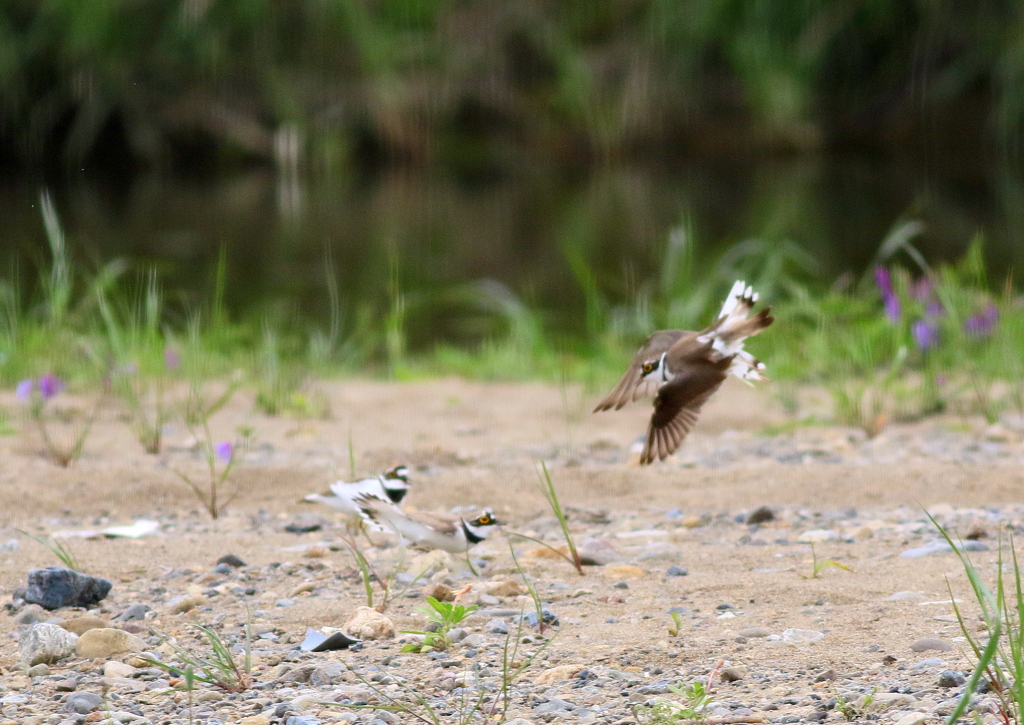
x=476, y=83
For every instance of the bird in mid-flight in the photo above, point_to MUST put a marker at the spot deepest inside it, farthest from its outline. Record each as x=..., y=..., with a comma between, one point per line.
x=682, y=369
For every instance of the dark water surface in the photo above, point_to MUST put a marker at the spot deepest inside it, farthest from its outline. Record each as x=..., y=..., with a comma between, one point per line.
x=439, y=233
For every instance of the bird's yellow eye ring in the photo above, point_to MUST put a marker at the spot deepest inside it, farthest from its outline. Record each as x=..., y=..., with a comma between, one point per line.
x=648, y=367
x=484, y=520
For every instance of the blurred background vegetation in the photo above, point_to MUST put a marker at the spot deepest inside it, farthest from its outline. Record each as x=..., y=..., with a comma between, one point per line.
x=487, y=86
x=514, y=189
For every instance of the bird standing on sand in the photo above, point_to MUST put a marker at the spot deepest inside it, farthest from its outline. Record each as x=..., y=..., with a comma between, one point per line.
x=682, y=369
x=453, y=534
x=391, y=486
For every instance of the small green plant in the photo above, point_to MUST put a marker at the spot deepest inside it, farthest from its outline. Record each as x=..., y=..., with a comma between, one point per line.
x=854, y=710
x=146, y=403
x=692, y=708
x=677, y=624
x=1000, y=659
x=445, y=616
x=412, y=702
x=220, y=459
x=58, y=548
x=547, y=487
x=37, y=396
x=820, y=565
x=218, y=667
x=537, y=604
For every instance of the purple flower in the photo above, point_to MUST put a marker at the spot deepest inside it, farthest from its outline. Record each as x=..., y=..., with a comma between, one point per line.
x=225, y=451
x=926, y=334
x=935, y=309
x=883, y=279
x=884, y=282
x=50, y=385
x=921, y=289
x=941, y=380
x=24, y=389
x=892, y=308
x=981, y=324
x=172, y=360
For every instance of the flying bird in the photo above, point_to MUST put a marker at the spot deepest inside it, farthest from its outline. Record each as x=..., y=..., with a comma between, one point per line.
x=682, y=369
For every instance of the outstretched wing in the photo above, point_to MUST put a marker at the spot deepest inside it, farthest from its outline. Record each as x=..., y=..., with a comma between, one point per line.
x=678, y=403
x=630, y=386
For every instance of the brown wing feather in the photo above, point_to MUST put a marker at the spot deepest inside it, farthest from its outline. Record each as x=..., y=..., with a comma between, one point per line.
x=627, y=387
x=678, y=403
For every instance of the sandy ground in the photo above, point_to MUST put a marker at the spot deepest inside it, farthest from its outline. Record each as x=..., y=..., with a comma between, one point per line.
x=477, y=444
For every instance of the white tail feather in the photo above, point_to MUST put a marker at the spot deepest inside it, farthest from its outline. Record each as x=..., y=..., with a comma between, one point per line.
x=737, y=306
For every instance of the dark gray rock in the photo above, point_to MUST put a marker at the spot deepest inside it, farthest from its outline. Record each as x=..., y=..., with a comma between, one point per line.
x=951, y=678
x=83, y=703
x=553, y=705
x=231, y=560
x=55, y=587
x=549, y=617
x=760, y=515
x=677, y=571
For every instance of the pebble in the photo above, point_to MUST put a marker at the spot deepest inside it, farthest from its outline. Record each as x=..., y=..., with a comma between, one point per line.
x=231, y=560
x=30, y=614
x=81, y=625
x=912, y=718
x=549, y=617
x=186, y=603
x=496, y=626
x=901, y=596
x=951, y=678
x=732, y=674
x=801, y=636
x=56, y=586
x=931, y=643
x=369, y=624
x=677, y=571
x=117, y=669
x=133, y=613
x=622, y=571
x=754, y=632
x=108, y=642
x=817, y=536
x=46, y=643
x=941, y=547
x=760, y=515
x=83, y=703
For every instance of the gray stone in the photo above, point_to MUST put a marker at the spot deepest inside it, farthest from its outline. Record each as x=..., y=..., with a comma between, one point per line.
x=55, y=587
x=496, y=626
x=83, y=702
x=677, y=571
x=473, y=640
x=549, y=617
x=30, y=614
x=941, y=547
x=754, y=632
x=133, y=613
x=931, y=643
x=951, y=678
x=553, y=705
x=46, y=643
x=328, y=674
